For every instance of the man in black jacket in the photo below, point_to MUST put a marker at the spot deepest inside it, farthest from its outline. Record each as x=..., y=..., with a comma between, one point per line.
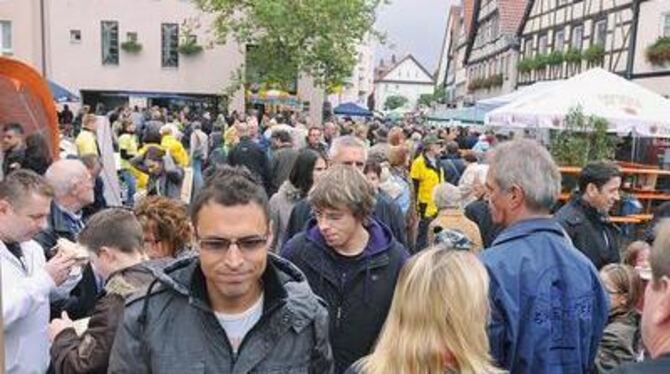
x=349, y=150
x=586, y=217
x=350, y=260
x=73, y=190
x=249, y=154
x=655, y=324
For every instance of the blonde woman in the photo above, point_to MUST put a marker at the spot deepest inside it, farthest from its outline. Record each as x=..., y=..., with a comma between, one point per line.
x=437, y=321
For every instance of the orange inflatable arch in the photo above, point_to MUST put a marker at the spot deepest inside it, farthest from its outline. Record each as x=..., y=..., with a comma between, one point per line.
x=25, y=98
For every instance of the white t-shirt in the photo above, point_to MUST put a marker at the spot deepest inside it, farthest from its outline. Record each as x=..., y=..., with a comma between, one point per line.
x=238, y=325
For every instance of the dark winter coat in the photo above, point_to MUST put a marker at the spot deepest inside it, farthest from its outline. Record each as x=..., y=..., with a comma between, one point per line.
x=172, y=328
x=621, y=342
x=251, y=155
x=358, y=296
x=591, y=232
x=89, y=353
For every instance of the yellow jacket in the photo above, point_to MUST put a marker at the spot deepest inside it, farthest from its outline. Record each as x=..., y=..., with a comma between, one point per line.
x=176, y=149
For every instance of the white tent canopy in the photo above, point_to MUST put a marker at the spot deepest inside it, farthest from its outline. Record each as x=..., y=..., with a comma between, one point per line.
x=626, y=106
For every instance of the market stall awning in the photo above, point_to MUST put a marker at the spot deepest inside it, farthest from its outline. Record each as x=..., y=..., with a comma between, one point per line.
x=352, y=109
x=61, y=94
x=628, y=107
x=467, y=115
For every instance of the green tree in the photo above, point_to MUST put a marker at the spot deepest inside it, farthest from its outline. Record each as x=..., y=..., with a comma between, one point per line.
x=316, y=37
x=426, y=99
x=583, y=139
x=395, y=102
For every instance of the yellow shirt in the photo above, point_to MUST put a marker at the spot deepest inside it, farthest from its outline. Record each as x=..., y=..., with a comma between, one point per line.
x=428, y=178
x=86, y=143
x=127, y=142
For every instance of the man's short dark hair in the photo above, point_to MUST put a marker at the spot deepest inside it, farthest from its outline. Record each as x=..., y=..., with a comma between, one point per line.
x=598, y=173
x=20, y=184
x=282, y=135
x=116, y=228
x=231, y=186
x=13, y=126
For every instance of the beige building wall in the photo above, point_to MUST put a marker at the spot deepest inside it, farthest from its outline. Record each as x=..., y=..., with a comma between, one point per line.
x=78, y=64
x=24, y=18
x=652, y=19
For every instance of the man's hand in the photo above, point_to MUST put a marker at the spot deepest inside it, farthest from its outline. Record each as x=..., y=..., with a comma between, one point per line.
x=59, y=267
x=58, y=325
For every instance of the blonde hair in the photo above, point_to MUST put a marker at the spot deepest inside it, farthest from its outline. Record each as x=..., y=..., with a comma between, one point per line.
x=440, y=309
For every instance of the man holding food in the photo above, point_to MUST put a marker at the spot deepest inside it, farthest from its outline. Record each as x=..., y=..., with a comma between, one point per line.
x=28, y=280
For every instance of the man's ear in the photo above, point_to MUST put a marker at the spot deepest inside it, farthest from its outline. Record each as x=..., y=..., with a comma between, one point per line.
x=107, y=254
x=518, y=196
x=661, y=315
x=5, y=206
x=591, y=189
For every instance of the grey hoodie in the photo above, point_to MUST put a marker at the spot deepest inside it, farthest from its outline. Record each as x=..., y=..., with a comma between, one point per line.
x=171, y=328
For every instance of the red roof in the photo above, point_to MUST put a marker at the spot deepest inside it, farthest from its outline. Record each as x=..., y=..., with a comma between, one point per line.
x=511, y=15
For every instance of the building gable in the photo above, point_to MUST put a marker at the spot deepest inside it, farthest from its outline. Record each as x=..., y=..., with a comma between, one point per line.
x=407, y=70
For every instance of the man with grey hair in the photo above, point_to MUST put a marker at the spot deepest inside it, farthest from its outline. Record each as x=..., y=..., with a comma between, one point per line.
x=73, y=190
x=351, y=151
x=549, y=308
x=450, y=216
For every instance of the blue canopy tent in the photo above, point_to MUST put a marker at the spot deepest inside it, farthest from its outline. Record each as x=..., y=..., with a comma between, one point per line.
x=351, y=109
x=61, y=94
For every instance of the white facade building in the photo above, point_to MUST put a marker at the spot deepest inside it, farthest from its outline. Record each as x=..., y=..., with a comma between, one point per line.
x=406, y=78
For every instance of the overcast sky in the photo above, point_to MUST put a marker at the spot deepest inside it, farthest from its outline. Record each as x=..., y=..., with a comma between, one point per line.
x=413, y=26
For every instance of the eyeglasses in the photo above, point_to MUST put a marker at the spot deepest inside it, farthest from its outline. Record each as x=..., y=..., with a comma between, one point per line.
x=246, y=244
x=358, y=164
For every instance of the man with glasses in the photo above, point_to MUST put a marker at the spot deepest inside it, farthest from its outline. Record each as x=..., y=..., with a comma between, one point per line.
x=235, y=308
x=351, y=151
x=349, y=259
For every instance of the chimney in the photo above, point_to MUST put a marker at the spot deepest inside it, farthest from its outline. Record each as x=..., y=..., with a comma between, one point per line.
x=393, y=61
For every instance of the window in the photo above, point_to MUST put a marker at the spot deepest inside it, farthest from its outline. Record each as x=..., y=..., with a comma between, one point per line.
x=5, y=37
x=559, y=40
x=528, y=47
x=666, y=25
x=131, y=36
x=542, y=44
x=600, y=33
x=75, y=36
x=578, y=37
x=495, y=27
x=110, y=42
x=507, y=60
x=169, y=44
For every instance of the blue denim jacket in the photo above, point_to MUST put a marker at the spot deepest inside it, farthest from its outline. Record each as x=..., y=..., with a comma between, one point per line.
x=549, y=309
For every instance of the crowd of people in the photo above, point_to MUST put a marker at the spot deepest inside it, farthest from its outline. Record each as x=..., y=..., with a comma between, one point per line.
x=352, y=247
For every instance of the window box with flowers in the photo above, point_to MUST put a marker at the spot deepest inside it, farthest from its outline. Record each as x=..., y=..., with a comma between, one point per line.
x=658, y=54
x=594, y=55
x=131, y=46
x=189, y=46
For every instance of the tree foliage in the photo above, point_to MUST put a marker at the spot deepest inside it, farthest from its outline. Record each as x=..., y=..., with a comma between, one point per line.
x=582, y=140
x=395, y=102
x=316, y=37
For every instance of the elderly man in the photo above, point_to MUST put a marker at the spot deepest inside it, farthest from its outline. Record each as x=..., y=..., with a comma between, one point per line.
x=586, y=217
x=235, y=308
x=28, y=281
x=73, y=190
x=656, y=311
x=351, y=151
x=349, y=259
x=549, y=308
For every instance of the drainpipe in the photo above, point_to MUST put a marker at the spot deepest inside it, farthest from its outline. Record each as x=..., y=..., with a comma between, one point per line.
x=633, y=42
x=43, y=37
